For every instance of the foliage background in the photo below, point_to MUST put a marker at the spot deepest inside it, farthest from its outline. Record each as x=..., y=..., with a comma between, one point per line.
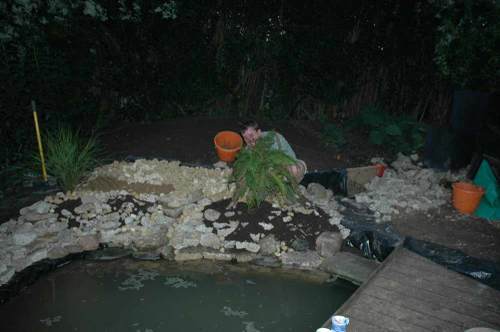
x=95, y=63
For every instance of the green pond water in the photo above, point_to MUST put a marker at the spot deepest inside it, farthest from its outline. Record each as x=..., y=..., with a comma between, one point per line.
x=128, y=295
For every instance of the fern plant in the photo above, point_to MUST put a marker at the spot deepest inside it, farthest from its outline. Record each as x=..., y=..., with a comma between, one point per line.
x=261, y=172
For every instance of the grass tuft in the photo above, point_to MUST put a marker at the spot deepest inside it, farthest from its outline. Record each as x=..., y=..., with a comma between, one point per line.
x=70, y=156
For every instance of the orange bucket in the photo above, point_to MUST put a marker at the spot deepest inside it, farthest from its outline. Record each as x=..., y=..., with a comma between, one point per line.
x=380, y=169
x=466, y=197
x=227, y=145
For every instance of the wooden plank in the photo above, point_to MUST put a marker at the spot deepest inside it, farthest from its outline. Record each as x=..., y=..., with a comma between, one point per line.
x=413, y=265
x=404, y=314
x=460, y=307
x=410, y=293
x=437, y=288
x=380, y=319
x=359, y=291
x=427, y=307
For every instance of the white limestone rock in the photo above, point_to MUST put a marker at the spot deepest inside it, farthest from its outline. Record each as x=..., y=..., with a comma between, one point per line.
x=211, y=215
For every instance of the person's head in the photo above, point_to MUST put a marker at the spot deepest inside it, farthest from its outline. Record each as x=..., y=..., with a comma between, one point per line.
x=251, y=132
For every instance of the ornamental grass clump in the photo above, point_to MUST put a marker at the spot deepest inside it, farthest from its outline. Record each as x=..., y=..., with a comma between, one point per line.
x=70, y=157
x=261, y=172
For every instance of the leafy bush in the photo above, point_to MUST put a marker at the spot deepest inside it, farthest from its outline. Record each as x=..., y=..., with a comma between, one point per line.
x=334, y=135
x=261, y=172
x=70, y=157
x=400, y=133
x=468, y=35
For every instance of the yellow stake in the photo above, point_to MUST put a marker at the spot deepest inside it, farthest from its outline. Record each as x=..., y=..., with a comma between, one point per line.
x=39, y=139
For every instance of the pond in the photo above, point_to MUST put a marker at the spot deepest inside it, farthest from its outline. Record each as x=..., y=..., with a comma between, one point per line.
x=145, y=296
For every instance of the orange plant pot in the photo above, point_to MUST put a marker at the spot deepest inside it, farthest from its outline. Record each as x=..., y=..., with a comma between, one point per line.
x=466, y=197
x=227, y=145
x=380, y=169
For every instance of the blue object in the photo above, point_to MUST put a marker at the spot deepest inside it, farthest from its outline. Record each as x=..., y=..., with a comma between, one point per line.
x=339, y=323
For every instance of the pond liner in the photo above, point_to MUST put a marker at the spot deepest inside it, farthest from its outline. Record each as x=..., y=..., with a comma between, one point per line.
x=375, y=241
x=485, y=271
x=25, y=278
x=334, y=179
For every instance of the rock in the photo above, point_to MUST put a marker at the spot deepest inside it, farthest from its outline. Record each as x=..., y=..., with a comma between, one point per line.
x=244, y=257
x=224, y=232
x=317, y=193
x=287, y=219
x=266, y=226
x=150, y=238
x=211, y=215
x=189, y=254
x=175, y=200
x=109, y=225
x=173, y=213
x=24, y=235
x=307, y=260
x=255, y=237
x=349, y=266
x=184, y=235
x=37, y=256
x=248, y=246
x=300, y=245
x=267, y=261
x=219, y=225
x=57, y=252
x=268, y=245
x=88, y=242
x=229, y=214
x=210, y=240
x=345, y=232
x=40, y=207
x=229, y=244
x=6, y=276
x=66, y=213
x=217, y=256
x=34, y=216
x=166, y=252
x=146, y=255
x=329, y=243
x=49, y=226
x=109, y=254
x=220, y=164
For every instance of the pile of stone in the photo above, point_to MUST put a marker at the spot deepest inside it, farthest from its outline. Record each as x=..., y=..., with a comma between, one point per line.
x=406, y=187
x=163, y=225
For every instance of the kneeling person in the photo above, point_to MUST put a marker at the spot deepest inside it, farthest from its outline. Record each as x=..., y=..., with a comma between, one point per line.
x=251, y=133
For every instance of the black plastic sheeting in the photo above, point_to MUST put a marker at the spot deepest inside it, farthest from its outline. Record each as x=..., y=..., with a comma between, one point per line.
x=336, y=180
x=377, y=241
x=485, y=271
x=22, y=280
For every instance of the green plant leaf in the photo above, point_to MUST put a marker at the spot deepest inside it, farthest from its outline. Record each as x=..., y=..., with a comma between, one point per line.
x=393, y=130
x=261, y=171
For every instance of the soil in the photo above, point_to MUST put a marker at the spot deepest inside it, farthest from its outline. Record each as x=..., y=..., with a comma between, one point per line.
x=445, y=226
x=105, y=183
x=300, y=233
x=190, y=140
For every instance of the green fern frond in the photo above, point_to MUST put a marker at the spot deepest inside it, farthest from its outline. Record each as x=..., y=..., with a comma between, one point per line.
x=261, y=172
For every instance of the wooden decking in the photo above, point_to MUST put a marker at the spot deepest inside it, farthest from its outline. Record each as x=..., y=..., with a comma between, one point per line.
x=411, y=293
